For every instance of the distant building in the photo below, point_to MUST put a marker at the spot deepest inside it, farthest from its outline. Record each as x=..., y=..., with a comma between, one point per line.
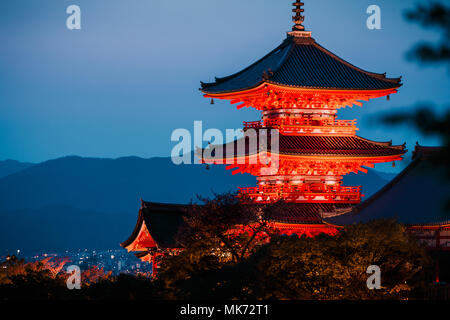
x=418, y=198
x=155, y=231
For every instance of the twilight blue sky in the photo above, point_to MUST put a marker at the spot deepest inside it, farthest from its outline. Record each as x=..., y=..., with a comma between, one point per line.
x=130, y=76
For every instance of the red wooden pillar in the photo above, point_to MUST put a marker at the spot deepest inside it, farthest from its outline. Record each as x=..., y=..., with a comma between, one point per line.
x=154, y=266
x=438, y=244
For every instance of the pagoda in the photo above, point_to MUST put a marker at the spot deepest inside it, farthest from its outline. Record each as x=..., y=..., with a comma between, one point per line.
x=299, y=87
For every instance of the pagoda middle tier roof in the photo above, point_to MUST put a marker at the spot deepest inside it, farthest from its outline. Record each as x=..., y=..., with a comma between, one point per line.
x=300, y=62
x=312, y=145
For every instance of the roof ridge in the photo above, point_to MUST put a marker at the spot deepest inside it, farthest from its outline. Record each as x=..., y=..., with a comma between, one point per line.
x=387, y=187
x=384, y=144
x=282, y=61
x=151, y=203
x=380, y=76
x=286, y=56
x=220, y=80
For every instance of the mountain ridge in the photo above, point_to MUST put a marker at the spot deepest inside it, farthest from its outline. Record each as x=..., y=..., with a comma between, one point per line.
x=10, y=166
x=107, y=192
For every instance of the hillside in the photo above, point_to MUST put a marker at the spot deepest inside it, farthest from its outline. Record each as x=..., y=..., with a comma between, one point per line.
x=75, y=202
x=8, y=167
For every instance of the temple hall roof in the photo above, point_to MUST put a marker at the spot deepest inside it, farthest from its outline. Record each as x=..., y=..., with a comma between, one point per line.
x=415, y=197
x=300, y=62
x=162, y=221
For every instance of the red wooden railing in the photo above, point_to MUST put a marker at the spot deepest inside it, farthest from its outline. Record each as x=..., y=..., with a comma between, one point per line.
x=299, y=188
x=299, y=122
x=309, y=192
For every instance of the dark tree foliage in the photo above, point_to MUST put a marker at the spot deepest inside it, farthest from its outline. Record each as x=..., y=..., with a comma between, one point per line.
x=226, y=227
x=334, y=267
x=34, y=285
x=424, y=117
x=39, y=280
x=429, y=123
x=222, y=231
x=324, y=267
x=37, y=283
x=46, y=280
x=122, y=287
x=437, y=16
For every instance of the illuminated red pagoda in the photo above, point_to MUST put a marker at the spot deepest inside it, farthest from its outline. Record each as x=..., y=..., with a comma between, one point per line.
x=299, y=87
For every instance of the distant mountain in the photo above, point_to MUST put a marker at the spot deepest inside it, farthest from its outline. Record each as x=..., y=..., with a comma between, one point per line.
x=74, y=199
x=113, y=184
x=8, y=167
x=58, y=228
x=75, y=202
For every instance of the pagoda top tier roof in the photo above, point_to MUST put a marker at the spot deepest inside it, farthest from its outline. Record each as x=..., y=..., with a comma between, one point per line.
x=300, y=62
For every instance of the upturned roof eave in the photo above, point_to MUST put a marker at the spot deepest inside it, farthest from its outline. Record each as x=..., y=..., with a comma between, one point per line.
x=219, y=94
x=312, y=155
x=401, y=150
x=135, y=232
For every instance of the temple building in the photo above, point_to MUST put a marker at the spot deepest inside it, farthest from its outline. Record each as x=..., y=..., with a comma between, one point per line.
x=418, y=198
x=155, y=231
x=299, y=88
x=405, y=198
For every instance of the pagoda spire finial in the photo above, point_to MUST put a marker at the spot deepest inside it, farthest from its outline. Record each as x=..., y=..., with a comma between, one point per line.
x=298, y=29
x=298, y=18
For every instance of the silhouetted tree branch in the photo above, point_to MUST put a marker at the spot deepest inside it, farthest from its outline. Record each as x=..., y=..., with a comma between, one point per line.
x=433, y=15
x=424, y=118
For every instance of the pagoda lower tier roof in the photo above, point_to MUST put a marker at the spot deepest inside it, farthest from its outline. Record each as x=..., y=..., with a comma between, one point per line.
x=307, y=213
x=300, y=62
x=163, y=221
x=418, y=196
x=312, y=145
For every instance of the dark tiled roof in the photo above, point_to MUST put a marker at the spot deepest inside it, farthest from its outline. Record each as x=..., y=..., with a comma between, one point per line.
x=305, y=213
x=315, y=145
x=162, y=221
x=416, y=197
x=302, y=63
x=337, y=145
